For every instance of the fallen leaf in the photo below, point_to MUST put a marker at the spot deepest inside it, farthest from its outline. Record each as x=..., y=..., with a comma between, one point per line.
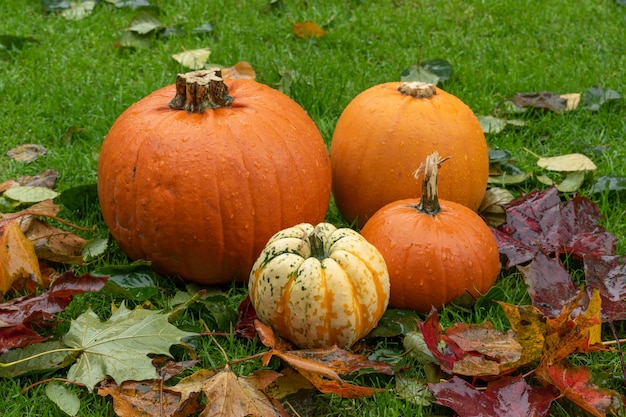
x=241, y=70
x=29, y=194
x=510, y=396
x=492, y=206
x=27, y=153
x=308, y=29
x=46, y=178
x=572, y=101
x=322, y=367
x=575, y=384
x=147, y=398
x=66, y=399
x=539, y=221
x=144, y=23
x=193, y=59
x=596, y=97
x=607, y=274
x=567, y=163
x=54, y=244
x=542, y=100
x=228, y=394
x=79, y=10
x=529, y=325
x=18, y=261
x=119, y=346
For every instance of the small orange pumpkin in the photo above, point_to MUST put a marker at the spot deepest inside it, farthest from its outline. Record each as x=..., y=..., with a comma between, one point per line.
x=385, y=129
x=436, y=251
x=198, y=186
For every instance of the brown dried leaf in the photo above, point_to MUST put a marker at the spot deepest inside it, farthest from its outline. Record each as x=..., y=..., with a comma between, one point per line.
x=543, y=100
x=54, y=244
x=229, y=395
x=147, y=398
x=27, y=152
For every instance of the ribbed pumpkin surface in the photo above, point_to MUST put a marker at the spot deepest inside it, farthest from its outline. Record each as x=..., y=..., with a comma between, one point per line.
x=319, y=294
x=199, y=195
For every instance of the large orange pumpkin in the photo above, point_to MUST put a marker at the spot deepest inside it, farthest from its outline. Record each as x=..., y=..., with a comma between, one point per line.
x=198, y=186
x=385, y=129
x=436, y=251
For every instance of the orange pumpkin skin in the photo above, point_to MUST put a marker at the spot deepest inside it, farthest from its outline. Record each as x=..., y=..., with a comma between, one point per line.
x=433, y=260
x=380, y=135
x=199, y=194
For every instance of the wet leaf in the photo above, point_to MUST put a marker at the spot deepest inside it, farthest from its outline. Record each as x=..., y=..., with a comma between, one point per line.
x=132, y=282
x=47, y=178
x=607, y=274
x=539, y=221
x=18, y=261
x=55, y=245
x=27, y=153
x=575, y=384
x=508, y=396
x=415, y=345
x=93, y=249
x=119, y=346
x=529, y=325
x=44, y=356
x=307, y=30
x=193, y=59
x=395, y=322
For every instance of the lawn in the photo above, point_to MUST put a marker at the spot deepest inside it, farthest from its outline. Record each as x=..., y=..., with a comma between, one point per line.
x=65, y=81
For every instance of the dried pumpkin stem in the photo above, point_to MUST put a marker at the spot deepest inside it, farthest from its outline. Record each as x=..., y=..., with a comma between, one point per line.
x=429, y=203
x=197, y=91
x=417, y=89
x=316, y=242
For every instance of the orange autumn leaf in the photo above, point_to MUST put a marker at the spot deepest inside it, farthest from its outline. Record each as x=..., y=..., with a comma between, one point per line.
x=308, y=29
x=18, y=260
x=322, y=367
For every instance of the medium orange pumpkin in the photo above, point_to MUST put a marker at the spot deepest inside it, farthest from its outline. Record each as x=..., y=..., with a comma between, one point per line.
x=436, y=251
x=385, y=129
x=198, y=186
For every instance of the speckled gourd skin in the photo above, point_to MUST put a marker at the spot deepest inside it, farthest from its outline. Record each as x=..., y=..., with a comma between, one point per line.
x=315, y=302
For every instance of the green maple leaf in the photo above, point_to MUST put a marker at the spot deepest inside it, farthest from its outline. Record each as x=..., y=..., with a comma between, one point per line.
x=119, y=347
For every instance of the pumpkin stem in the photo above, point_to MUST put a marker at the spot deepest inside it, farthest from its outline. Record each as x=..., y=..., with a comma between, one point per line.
x=417, y=89
x=429, y=203
x=197, y=91
x=316, y=242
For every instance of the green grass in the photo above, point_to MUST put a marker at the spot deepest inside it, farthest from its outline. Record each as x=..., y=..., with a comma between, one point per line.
x=73, y=75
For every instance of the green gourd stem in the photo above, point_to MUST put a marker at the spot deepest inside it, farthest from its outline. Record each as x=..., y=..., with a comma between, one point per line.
x=197, y=91
x=417, y=89
x=429, y=203
x=316, y=243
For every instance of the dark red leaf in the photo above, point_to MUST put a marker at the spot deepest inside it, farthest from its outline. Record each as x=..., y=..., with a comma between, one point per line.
x=17, y=336
x=444, y=349
x=69, y=284
x=608, y=275
x=508, y=396
x=549, y=285
x=245, y=323
x=540, y=222
x=23, y=311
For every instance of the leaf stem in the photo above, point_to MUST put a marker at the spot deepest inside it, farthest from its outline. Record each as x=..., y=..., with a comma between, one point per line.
x=43, y=381
x=17, y=362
